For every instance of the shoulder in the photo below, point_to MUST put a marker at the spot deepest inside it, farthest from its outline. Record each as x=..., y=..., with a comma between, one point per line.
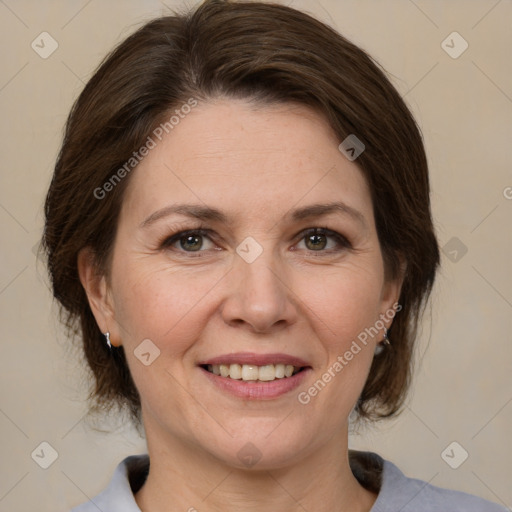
x=398, y=492
x=118, y=496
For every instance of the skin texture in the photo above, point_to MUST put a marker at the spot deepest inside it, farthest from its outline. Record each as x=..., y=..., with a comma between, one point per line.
x=256, y=164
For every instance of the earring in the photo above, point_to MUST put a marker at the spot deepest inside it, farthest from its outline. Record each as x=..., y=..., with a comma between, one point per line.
x=107, y=338
x=385, y=341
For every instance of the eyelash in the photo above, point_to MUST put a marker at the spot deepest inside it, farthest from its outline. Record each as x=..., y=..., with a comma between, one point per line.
x=342, y=241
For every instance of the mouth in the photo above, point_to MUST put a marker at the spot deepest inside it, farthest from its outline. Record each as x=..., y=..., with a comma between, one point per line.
x=253, y=376
x=253, y=373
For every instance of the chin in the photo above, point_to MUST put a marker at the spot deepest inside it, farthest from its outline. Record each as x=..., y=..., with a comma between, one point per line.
x=262, y=445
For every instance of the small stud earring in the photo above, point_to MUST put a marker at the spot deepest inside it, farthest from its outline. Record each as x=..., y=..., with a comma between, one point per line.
x=107, y=338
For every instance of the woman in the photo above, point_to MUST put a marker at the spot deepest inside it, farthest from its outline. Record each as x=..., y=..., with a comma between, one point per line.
x=239, y=221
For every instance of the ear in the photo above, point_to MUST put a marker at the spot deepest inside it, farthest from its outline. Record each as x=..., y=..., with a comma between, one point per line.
x=98, y=294
x=393, y=287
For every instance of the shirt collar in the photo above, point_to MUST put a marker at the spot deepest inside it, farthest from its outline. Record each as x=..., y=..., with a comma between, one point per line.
x=373, y=472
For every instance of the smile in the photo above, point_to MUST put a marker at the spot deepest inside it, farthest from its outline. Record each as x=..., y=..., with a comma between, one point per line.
x=252, y=376
x=249, y=372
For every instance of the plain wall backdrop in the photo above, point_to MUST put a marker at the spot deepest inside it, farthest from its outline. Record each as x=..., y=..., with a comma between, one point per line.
x=462, y=99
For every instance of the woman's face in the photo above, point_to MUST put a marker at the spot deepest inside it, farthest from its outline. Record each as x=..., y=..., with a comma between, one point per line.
x=251, y=283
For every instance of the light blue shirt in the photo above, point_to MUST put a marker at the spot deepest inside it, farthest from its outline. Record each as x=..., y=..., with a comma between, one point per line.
x=396, y=492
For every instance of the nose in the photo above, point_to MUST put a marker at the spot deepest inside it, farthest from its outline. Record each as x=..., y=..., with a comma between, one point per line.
x=259, y=295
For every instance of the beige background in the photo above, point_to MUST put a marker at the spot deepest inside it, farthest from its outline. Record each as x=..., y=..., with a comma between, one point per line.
x=463, y=386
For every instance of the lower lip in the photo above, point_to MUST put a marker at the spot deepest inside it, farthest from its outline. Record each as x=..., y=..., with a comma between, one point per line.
x=257, y=390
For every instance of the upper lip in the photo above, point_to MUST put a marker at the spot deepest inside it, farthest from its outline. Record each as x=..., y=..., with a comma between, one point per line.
x=255, y=359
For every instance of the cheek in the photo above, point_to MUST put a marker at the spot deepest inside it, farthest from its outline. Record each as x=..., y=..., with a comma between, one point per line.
x=159, y=303
x=347, y=305
x=170, y=308
x=344, y=302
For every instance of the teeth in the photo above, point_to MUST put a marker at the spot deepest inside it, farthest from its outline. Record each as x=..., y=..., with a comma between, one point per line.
x=267, y=372
x=235, y=371
x=250, y=372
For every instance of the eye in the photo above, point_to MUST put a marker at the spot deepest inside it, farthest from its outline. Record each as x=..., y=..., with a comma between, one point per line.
x=323, y=240
x=190, y=241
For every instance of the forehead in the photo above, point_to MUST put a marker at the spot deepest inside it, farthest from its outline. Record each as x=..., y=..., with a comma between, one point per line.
x=249, y=159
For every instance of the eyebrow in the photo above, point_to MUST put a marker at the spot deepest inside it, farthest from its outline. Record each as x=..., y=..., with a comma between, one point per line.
x=201, y=212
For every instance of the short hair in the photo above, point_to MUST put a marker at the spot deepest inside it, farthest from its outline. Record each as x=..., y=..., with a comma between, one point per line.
x=261, y=52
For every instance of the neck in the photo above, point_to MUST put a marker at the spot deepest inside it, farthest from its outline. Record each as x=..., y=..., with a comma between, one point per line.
x=193, y=480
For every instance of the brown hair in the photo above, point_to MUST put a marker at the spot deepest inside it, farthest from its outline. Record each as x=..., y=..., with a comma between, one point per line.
x=264, y=52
